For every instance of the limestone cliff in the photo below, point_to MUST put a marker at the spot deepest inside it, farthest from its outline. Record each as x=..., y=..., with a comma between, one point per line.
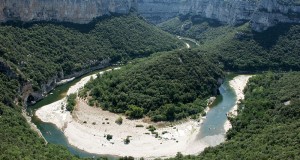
x=270, y=12
x=261, y=13
x=228, y=11
x=76, y=11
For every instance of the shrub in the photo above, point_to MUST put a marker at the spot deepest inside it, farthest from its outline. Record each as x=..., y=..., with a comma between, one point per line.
x=139, y=126
x=151, y=128
x=195, y=116
x=119, y=121
x=127, y=140
x=109, y=137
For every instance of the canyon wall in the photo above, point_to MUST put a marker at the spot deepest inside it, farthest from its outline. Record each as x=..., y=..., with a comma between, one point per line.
x=232, y=12
x=271, y=12
x=76, y=11
x=261, y=13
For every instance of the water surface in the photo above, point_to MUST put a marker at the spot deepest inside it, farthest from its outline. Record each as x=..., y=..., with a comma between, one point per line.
x=212, y=130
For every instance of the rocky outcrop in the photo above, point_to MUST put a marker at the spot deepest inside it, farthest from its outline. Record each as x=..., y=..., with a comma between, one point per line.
x=261, y=13
x=7, y=70
x=232, y=12
x=30, y=96
x=76, y=11
x=271, y=12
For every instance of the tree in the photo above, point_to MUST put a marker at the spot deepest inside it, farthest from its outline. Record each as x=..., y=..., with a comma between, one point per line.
x=71, y=102
x=170, y=111
x=134, y=112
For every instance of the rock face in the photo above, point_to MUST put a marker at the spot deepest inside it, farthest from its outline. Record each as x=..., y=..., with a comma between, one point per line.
x=232, y=11
x=77, y=11
x=31, y=96
x=261, y=13
x=271, y=12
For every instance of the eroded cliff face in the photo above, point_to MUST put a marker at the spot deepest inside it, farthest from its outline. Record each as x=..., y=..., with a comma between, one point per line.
x=76, y=11
x=232, y=12
x=261, y=13
x=271, y=12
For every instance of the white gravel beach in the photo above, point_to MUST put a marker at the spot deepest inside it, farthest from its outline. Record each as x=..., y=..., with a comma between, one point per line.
x=87, y=128
x=238, y=84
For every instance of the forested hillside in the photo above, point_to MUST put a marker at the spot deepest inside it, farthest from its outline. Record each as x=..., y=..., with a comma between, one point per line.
x=267, y=126
x=245, y=50
x=43, y=50
x=268, y=123
x=36, y=52
x=18, y=140
x=239, y=48
x=166, y=86
x=201, y=29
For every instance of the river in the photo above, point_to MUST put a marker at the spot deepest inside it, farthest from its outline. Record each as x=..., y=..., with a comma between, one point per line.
x=212, y=130
x=49, y=131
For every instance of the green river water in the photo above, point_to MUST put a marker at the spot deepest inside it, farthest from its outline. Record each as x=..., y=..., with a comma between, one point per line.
x=50, y=132
x=212, y=130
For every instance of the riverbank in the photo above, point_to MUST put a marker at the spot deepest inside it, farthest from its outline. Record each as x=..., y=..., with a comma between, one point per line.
x=90, y=126
x=87, y=129
x=238, y=84
x=33, y=126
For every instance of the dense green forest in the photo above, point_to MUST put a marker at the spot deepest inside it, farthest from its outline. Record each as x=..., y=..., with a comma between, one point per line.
x=36, y=52
x=167, y=86
x=18, y=140
x=240, y=48
x=201, y=29
x=43, y=50
x=265, y=128
x=268, y=123
x=276, y=49
x=8, y=89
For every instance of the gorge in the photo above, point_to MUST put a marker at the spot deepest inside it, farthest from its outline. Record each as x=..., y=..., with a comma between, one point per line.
x=262, y=14
x=162, y=64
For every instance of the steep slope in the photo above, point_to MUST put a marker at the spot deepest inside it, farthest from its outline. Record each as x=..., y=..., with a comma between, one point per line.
x=240, y=48
x=196, y=27
x=246, y=50
x=45, y=53
x=76, y=11
x=261, y=13
x=35, y=56
x=18, y=141
x=166, y=86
